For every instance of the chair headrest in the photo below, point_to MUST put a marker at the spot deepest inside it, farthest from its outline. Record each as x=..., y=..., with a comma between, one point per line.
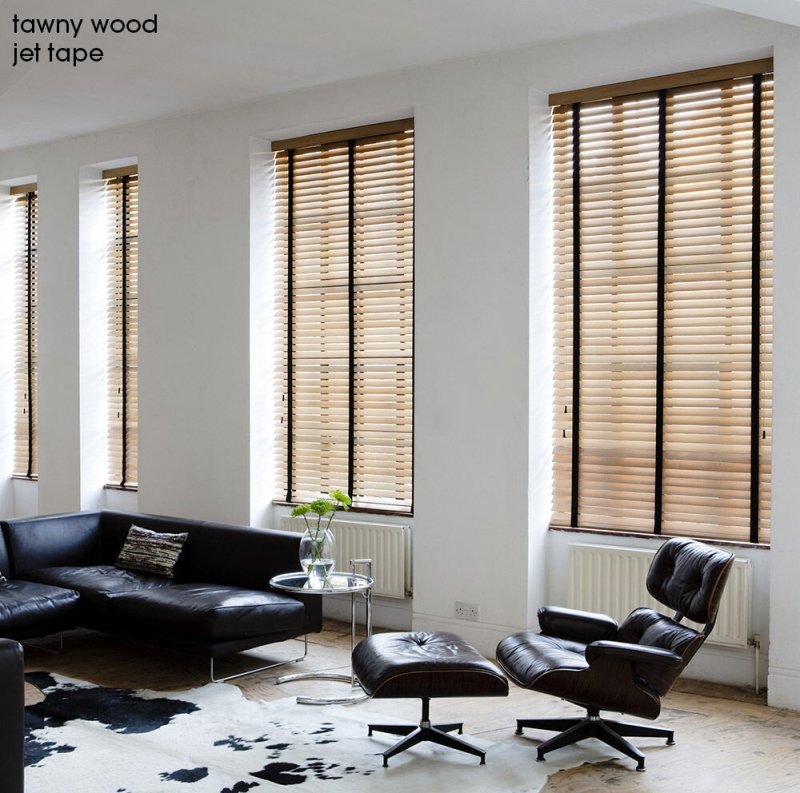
x=689, y=577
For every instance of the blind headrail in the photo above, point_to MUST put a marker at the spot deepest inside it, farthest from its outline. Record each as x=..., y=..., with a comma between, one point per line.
x=665, y=81
x=23, y=189
x=342, y=135
x=125, y=170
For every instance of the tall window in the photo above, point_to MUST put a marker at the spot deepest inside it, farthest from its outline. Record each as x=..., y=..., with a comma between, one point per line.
x=345, y=203
x=25, y=343
x=122, y=197
x=663, y=371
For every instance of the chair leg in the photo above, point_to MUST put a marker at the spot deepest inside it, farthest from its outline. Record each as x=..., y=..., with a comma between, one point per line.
x=573, y=734
x=433, y=733
x=607, y=735
x=642, y=731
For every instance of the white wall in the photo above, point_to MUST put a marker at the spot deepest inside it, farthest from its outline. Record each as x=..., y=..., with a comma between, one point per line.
x=482, y=313
x=8, y=228
x=784, y=660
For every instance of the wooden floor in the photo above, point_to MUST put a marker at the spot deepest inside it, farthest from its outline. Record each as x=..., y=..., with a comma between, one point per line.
x=727, y=741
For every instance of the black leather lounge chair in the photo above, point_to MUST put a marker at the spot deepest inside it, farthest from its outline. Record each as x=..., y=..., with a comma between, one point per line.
x=590, y=660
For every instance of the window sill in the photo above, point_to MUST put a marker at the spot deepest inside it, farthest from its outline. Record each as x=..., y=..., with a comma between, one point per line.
x=360, y=510
x=23, y=478
x=654, y=537
x=125, y=488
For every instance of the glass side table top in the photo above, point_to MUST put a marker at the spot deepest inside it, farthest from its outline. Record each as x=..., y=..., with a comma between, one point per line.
x=335, y=583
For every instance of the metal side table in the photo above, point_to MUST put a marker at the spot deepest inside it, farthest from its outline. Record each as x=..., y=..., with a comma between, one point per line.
x=337, y=583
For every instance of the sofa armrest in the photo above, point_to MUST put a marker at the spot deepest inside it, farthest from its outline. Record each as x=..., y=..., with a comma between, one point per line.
x=638, y=653
x=12, y=716
x=66, y=540
x=580, y=626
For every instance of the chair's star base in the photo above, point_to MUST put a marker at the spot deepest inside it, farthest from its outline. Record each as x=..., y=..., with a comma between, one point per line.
x=433, y=733
x=592, y=726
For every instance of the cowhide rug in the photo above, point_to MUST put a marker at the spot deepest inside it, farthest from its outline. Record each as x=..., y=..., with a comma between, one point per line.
x=85, y=739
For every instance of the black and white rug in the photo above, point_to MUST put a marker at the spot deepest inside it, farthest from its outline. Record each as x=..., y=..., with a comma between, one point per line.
x=86, y=739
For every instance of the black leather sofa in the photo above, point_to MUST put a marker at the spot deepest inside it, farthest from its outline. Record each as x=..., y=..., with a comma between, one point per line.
x=61, y=574
x=12, y=719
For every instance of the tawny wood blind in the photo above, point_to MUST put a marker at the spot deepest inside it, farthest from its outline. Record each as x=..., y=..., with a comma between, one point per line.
x=663, y=368
x=25, y=335
x=122, y=197
x=345, y=215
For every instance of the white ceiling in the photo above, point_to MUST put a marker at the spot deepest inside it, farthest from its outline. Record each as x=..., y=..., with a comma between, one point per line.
x=208, y=53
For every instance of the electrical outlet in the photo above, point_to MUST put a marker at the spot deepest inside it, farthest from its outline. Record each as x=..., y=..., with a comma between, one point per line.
x=467, y=611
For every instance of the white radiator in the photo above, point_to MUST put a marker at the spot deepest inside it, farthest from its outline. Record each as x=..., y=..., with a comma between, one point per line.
x=388, y=545
x=611, y=580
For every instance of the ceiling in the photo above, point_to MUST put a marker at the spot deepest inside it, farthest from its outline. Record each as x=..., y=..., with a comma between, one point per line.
x=209, y=53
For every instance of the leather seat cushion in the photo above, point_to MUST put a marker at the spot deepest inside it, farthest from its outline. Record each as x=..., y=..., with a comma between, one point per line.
x=32, y=609
x=210, y=611
x=525, y=656
x=559, y=667
x=98, y=583
x=421, y=664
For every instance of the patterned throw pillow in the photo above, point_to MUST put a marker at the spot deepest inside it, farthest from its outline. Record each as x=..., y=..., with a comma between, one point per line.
x=150, y=551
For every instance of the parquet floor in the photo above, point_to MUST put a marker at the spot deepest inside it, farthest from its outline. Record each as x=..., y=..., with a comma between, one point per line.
x=727, y=740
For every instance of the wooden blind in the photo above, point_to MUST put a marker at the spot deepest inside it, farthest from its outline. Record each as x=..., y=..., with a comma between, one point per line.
x=25, y=336
x=663, y=369
x=345, y=281
x=122, y=194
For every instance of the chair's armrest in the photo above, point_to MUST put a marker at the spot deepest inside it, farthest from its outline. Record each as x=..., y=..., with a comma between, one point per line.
x=580, y=626
x=637, y=653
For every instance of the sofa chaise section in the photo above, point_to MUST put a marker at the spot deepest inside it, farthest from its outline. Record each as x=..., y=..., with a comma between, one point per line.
x=218, y=602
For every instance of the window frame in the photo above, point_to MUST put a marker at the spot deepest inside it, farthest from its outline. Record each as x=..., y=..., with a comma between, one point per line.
x=26, y=315
x=567, y=418
x=354, y=140
x=122, y=257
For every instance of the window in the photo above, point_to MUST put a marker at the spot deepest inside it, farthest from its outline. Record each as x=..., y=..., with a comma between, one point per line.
x=663, y=368
x=345, y=206
x=122, y=200
x=25, y=343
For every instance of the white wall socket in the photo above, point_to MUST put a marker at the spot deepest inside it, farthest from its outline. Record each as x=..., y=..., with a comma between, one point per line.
x=467, y=611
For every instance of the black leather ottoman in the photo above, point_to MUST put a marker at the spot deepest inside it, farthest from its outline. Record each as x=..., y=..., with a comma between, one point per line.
x=425, y=665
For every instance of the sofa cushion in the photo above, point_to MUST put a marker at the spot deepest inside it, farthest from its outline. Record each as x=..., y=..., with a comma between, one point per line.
x=210, y=611
x=151, y=551
x=98, y=583
x=32, y=609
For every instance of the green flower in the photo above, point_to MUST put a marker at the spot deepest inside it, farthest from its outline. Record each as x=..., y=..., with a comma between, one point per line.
x=342, y=498
x=322, y=507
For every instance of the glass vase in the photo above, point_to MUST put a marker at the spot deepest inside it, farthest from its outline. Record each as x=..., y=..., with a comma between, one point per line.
x=317, y=556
